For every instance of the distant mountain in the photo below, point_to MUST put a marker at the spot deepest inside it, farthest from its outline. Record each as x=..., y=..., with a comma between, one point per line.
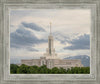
x=84, y=59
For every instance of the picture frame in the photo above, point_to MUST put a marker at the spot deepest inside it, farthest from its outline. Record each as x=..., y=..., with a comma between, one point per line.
x=6, y=77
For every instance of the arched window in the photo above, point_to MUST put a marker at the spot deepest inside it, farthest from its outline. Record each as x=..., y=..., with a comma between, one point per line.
x=43, y=62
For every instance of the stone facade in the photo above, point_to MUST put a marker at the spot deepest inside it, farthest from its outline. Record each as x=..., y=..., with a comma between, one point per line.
x=50, y=63
x=50, y=58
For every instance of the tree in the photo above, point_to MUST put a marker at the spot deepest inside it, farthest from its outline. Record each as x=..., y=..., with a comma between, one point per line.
x=43, y=69
x=62, y=70
x=13, y=68
x=55, y=70
x=24, y=69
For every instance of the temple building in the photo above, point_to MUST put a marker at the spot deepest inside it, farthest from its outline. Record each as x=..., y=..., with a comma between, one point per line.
x=50, y=58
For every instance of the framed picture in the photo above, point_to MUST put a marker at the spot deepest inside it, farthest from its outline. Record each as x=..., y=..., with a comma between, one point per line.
x=50, y=41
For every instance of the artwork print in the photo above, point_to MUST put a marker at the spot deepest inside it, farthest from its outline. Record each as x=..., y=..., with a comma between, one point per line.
x=50, y=41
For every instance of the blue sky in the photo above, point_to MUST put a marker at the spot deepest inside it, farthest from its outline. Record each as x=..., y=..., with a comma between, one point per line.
x=29, y=30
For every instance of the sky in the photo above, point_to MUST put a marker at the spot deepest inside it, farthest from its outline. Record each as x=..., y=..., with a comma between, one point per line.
x=29, y=31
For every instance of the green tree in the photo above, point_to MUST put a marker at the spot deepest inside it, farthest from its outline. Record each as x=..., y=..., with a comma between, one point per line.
x=43, y=69
x=55, y=70
x=13, y=68
x=34, y=69
x=62, y=70
x=23, y=69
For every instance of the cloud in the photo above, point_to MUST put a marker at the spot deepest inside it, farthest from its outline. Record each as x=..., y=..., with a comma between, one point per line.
x=32, y=26
x=23, y=38
x=61, y=37
x=82, y=42
x=65, y=38
x=31, y=49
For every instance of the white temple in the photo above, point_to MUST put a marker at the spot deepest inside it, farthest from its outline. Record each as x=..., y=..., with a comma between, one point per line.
x=50, y=58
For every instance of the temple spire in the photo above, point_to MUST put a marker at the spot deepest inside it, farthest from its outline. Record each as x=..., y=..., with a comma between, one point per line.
x=50, y=28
